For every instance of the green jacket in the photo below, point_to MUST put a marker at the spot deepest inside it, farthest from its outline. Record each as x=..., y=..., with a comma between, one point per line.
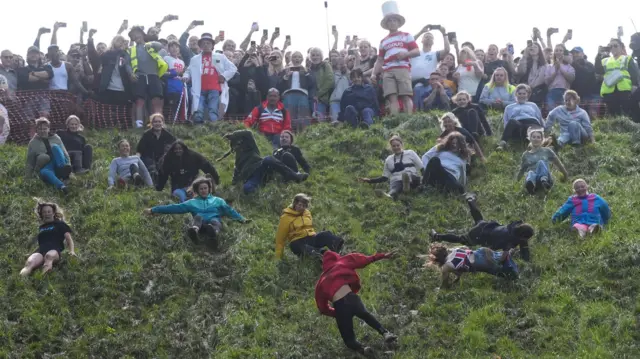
x=323, y=74
x=37, y=148
x=247, y=155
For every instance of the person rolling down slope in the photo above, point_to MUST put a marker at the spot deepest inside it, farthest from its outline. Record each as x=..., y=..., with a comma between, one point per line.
x=207, y=211
x=339, y=285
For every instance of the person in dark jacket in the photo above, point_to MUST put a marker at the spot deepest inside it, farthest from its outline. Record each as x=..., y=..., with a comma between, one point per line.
x=250, y=168
x=634, y=45
x=183, y=166
x=289, y=154
x=359, y=101
x=254, y=82
x=586, y=84
x=80, y=153
x=471, y=116
x=154, y=144
x=491, y=234
x=114, y=87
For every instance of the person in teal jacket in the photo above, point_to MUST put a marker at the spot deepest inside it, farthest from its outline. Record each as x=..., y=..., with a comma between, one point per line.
x=207, y=211
x=589, y=212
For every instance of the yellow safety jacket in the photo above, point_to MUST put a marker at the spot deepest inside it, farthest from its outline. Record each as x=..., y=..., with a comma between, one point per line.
x=611, y=64
x=162, y=65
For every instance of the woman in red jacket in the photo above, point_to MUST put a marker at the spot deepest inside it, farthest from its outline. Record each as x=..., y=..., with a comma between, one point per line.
x=339, y=284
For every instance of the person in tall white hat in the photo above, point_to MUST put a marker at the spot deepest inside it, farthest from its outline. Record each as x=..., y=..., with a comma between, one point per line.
x=395, y=51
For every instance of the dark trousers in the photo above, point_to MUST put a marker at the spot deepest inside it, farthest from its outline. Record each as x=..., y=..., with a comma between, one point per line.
x=464, y=239
x=348, y=307
x=518, y=129
x=290, y=161
x=268, y=166
x=437, y=176
x=311, y=245
x=618, y=103
x=110, y=97
x=473, y=123
x=81, y=159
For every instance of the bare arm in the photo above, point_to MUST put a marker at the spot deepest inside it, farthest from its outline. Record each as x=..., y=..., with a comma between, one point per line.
x=447, y=47
x=274, y=36
x=335, y=40
x=69, y=243
x=74, y=79
x=556, y=161
x=245, y=43
x=54, y=34
x=122, y=27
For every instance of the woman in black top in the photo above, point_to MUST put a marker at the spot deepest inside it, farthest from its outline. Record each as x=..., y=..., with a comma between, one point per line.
x=154, y=144
x=449, y=123
x=289, y=154
x=52, y=236
x=471, y=116
x=80, y=153
x=183, y=166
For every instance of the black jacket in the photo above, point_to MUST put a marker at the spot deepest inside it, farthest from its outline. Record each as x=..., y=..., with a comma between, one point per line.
x=248, y=100
x=185, y=170
x=498, y=237
x=297, y=153
x=153, y=147
x=468, y=122
x=110, y=59
x=72, y=141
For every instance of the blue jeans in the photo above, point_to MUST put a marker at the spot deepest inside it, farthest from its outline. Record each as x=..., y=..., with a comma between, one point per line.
x=575, y=135
x=554, y=98
x=335, y=111
x=351, y=116
x=419, y=93
x=48, y=172
x=541, y=173
x=208, y=99
x=181, y=193
x=322, y=110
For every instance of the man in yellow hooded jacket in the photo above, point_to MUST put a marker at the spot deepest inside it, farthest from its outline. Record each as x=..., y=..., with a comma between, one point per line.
x=296, y=229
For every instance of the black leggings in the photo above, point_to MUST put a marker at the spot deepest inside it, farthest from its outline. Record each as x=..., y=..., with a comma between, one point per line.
x=348, y=307
x=518, y=129
x=290, y=161
x=311, y=245
x=437, y=176
x=618, y=103
x=464, y=239
x=81, y=159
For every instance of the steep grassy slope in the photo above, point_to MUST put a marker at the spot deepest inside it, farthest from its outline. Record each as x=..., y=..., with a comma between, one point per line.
x=139, y=290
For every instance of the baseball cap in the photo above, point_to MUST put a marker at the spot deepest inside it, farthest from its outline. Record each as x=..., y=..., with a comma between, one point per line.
x=577, y=49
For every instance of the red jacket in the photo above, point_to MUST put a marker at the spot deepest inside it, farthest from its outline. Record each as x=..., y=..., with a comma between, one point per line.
x=338, y=271
x=271, y=123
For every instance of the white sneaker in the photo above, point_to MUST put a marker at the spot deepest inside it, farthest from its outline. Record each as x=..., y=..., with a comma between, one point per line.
x=139, y=124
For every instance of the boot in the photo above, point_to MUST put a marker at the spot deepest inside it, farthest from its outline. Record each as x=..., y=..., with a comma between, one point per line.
x=192, y=233
x=212, y=234
x=301, y=177
x=390, y=337
x=137, y=180
x=63, y=172
x=433, y=235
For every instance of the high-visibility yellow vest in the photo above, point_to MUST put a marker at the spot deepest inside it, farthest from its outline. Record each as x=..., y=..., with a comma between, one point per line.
x=611, y=64
x=162, y=65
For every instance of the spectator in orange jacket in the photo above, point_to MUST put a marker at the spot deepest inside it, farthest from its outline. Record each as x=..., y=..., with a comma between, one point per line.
x=271, y=118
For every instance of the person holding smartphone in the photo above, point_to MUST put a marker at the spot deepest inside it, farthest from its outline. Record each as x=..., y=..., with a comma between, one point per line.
x=424, y=65
x=297, y=87
x=558, y=76
x=531, y=70
x=620, y=79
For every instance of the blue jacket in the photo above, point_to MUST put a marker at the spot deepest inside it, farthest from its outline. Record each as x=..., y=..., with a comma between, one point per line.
x=590, y=209
x=360, y=97
x=208, y=208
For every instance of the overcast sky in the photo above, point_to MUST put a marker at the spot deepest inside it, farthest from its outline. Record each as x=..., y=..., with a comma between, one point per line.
x=482, y=23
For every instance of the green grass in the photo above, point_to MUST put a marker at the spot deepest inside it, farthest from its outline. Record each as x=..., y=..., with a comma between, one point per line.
x=140, y=290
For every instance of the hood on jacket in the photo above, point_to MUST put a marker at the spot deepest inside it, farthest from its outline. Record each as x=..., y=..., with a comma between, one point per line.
x=329, y=259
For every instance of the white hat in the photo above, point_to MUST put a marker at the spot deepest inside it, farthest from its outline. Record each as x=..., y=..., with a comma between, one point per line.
x=389, y=10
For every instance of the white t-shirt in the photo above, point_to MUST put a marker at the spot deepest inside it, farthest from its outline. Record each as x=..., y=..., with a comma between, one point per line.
x=408, y=157
x=424, y=65
x=469, y=81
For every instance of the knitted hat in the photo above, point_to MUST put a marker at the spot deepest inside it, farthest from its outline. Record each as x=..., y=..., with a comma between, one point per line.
x=389, y=11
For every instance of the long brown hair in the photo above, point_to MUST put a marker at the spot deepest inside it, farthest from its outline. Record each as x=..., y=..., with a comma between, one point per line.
x=456, y=143
x=437, y=256
x=58, y=213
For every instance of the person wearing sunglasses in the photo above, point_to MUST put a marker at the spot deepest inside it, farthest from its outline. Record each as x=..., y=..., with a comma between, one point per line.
x=620, y=79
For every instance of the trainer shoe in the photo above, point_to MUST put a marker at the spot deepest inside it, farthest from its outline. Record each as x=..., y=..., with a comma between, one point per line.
x=137, y=180
x=390, y=337
x=192, y=233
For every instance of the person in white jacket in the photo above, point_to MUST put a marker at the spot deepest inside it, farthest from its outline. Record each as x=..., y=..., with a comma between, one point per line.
x=208, y=73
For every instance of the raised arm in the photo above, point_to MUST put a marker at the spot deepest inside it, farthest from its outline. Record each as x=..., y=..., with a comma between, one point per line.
x=244, y=45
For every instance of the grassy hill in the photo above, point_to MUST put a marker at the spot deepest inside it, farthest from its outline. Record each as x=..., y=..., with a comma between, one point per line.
x=140, y=290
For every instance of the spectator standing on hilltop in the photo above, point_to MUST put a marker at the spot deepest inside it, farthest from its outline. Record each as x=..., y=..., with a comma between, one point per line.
x=427, y=63
x=63, y=73
x=208, y=73
x=621, y=76
x=5, y=127
x=558, y=76
x=116, y=78
x=7, y=70
x=359, y=103
x=393, y=60
x=147, y=67
x=35, y=76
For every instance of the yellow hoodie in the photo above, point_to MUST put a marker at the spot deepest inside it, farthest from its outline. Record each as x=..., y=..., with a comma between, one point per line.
x=293, y=226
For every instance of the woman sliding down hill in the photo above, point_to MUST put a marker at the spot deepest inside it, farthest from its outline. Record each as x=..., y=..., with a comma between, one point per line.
x=535, y=163
x=250, y=168
x=402, y=169
x=52, y=236
x=589, y=212
x=446, y=164
x=128, y=169
x=339, y=285
x=296, y=228
x=47, y=156
x=207, y=211
x=458, y=261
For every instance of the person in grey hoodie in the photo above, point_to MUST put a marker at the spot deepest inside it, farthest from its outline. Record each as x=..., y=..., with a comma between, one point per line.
x=519, y=116
x=47, y=156
x=341, y=84
x=126, y=169
x=575, y=126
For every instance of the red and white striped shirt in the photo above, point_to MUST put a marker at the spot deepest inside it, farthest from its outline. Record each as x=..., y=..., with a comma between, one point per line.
x=394, y=44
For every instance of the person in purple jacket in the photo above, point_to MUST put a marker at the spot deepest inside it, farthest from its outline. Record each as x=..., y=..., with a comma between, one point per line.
x=589, y=212
x=359, y=101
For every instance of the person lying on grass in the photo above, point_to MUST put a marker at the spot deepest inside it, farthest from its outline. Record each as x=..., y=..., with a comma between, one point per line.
x=446, y=164
x=47, y=156
x=449, y=123
x=535, y=162
x=296, y=229
x=458, y=261
x=290, y=154
x=126, y=169
x=52, y=236
x=589, y=212
x=402, y=169
x=207, y=211
x=337, y=295
x=491, y=234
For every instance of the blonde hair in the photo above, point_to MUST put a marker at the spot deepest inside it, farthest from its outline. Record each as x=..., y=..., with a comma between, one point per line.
x=274, y=70
x=42, y=121
x=524, y=87
x=115, y=39
x=153, y=116
x=58, y=213
x=578, y=181
x=452, y=117
x=571, y=93
x=470, y=54
x=492, y=83
x=395, y=138
x=463, y=93
x=301, y=197
x=74, y=117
